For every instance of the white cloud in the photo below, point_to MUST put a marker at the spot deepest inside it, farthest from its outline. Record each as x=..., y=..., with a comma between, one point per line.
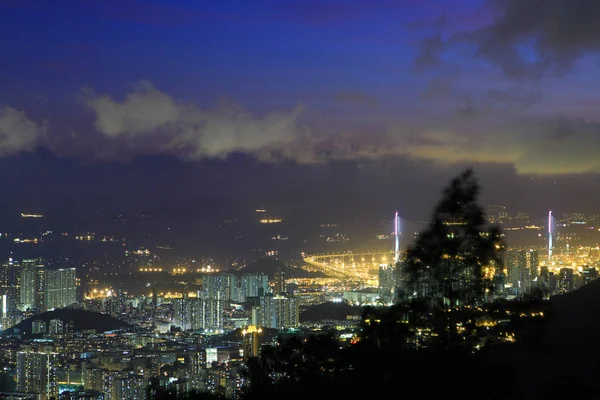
x=17, y=132
x=534, y=146
x=201, y=133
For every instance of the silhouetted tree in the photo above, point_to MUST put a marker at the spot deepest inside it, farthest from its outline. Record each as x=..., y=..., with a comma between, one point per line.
x=446, y=262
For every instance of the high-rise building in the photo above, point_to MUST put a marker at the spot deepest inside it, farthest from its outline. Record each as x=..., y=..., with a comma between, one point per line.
x=55, y=327
x=254, y=285
x=534, y=263
x=230, y=285
x=197, y=313
x=33, y=284
x=60, y=288
x=589, y=274
x=36, y=373
x=387, y=282
x=279, y=312
x=251, y=341
x=5, y=320
x=565, y=280
x=280, y=287
x=223, y=286
x=38, y=327
x=10, y=285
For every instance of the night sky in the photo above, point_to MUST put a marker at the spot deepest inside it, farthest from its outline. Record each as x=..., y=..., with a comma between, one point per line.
x=344, y=108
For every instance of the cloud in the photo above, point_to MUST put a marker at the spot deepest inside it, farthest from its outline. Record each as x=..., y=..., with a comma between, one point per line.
x=144, y=110
x=533, y=145
x=430, y=52
x=356, y=98
x=199, y=133
x=17, y=132
x=544, y=146
x=526, y=39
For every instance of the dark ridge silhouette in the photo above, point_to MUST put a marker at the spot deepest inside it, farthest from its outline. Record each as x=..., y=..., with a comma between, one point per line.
x=561, y=349
x=269, y=266
x=330, y=311
x=82, y=321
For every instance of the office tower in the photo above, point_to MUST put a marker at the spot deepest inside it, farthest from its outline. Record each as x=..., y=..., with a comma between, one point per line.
x=36, y=373
x=251, y=341
x=386, y=282
x=280, y=282
x=254, y=285
x=565, y=280
x=279, y=312
x=60, y=288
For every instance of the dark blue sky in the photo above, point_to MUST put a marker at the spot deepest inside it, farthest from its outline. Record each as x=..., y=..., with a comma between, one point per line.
x=506, y=85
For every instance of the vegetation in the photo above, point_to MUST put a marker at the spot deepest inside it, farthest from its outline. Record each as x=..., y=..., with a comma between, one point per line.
x=446, y=263
x=440, y=342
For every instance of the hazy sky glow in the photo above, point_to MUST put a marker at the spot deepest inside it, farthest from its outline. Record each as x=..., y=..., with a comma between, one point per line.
x=502, y=82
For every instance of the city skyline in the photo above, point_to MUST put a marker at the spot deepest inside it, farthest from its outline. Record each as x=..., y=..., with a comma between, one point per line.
x=292, y=199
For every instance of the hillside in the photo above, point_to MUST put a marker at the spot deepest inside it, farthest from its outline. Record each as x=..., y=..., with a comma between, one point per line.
x=82, y=321
x=270, y=266
x=559, y=353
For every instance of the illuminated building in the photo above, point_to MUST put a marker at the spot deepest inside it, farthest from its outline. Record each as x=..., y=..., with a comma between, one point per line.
x=26, y=215
x=589, y=274
x=387, y=282
x=534, y=263
x=251, y=341
x=280, y=282
x=38, y=327
x=55, y=327
x=270, y=221
x=10, y=284
x=36, y=373
x=254, y=285
x=31, y=292
x=197, y=313
x=60, y=288
x=279, y=312
x=6, y=321
x=565, y=280
x=223, y=286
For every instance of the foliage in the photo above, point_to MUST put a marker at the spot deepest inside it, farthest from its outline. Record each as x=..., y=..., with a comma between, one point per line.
x=447, y=260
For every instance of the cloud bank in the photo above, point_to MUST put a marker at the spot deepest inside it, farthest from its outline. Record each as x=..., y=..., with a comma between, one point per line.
x=17, y=132
x=534, y=145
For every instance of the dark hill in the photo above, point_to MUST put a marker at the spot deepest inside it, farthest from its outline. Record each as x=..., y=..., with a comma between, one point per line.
x=330, y=311
x=560, y=352
x=270, y=266
x=82, y=321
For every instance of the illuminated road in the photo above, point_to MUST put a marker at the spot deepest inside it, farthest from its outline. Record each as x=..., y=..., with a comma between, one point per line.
x=351, y=266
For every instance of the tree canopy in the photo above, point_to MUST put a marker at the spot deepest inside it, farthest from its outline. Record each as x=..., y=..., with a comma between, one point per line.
x=449, y=259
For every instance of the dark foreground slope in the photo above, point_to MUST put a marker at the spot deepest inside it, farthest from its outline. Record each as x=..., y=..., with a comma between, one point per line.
x=560, y=356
